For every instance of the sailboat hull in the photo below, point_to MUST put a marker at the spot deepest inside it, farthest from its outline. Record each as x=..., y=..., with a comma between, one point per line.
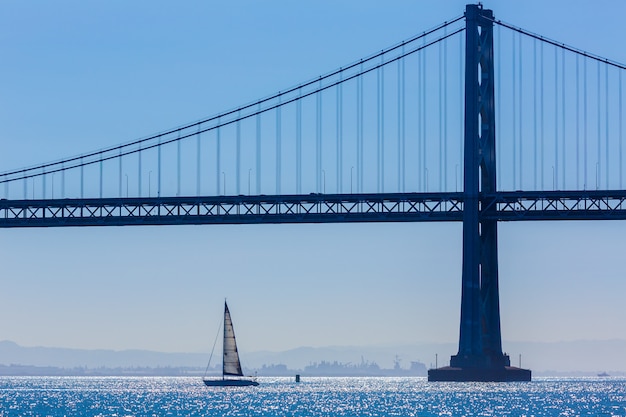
x=229, y=382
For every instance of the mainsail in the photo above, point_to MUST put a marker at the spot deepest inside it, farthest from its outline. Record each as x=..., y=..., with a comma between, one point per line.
x=231, y=364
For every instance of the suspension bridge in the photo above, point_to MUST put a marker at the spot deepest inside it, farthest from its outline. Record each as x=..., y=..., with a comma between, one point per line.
x=475, y=121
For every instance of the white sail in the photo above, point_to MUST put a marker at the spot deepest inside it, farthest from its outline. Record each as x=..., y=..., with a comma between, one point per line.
x=231, y=366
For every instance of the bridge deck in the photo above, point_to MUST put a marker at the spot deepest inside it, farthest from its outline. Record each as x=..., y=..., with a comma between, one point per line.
x=312, y=208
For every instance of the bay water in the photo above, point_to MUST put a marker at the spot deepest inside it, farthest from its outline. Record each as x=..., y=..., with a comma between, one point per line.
x=186, y=396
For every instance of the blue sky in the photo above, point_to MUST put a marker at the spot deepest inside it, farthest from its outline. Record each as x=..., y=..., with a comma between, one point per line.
x=78, y=76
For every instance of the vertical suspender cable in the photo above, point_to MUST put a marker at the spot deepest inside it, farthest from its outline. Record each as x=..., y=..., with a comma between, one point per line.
x=403, y=124
x=278, y=145
x=599, y=151
x=139, y=172
x=445, y=111
x=339, y=185
x=420, y=121
x=63, y=171
x=360, y=167
x=606, y=132
x=520, y=123
x=534, y=114
x=198, y=163
x=338, y=135
x=318, y=139
x=563, y=150
x=321, y=136
x=358, y=129
x=620, y=117
x=378, y=130
x=498, y=101
x=514, y=79
x=218, y=168
x=382, y=126
x=82, y=178
x=299, y=143
x=555, y=174
x=218, y=157
x=258, y=150
x=341, y=145
x=101, y=175
x=399, y=120
x=461, y=73
x=178, y=165
x=585, y=123
x=424, y=140
x=440, y=102
x=119, y=160
x=541, y=116
x=238, y=156
x=158, y=167
x=577, y=124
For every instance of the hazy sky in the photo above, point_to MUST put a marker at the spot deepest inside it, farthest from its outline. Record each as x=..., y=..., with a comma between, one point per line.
x=78, y=76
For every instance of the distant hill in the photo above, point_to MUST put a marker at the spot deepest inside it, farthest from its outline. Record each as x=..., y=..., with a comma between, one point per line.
x=572, y=357
x=12, y=353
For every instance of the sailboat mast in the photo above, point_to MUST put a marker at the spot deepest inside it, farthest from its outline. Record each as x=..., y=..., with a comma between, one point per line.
x=224, y=340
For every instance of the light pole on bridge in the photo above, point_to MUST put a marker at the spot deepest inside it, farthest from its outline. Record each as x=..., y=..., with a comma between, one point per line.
x=249, y=172
x=351, y=169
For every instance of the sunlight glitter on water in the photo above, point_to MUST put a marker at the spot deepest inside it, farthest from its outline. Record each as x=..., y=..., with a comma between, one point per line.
x=169, y=396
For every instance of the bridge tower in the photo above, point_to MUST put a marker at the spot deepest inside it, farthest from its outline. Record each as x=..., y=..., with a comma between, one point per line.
x=480, y=356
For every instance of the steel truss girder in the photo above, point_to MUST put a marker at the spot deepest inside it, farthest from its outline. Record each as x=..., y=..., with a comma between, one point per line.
x=557, y=205
x=314, y=208
x=322, y=208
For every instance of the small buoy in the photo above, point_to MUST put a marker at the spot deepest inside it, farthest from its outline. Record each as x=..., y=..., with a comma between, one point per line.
x=297, y=377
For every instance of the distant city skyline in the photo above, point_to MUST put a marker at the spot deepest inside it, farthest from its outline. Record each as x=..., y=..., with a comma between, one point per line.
x=81, y=76
x=557, y=358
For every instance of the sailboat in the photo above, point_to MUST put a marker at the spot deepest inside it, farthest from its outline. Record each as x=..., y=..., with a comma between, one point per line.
x=231, y=366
